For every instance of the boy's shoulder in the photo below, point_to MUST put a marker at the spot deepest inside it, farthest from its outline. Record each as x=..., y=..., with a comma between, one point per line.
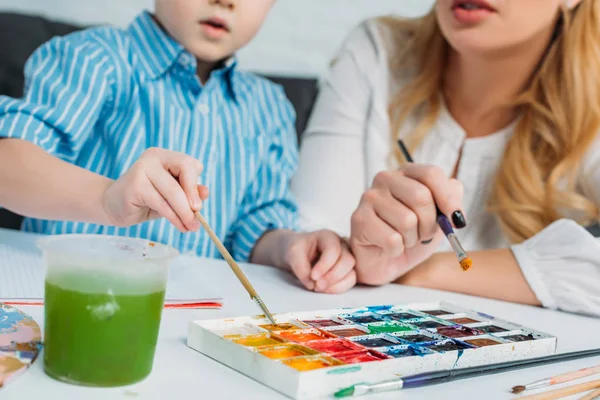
x=253, y=86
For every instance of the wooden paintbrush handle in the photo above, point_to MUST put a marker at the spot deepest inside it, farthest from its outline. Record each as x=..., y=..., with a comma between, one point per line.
x=569, y=376
x=559, y=393
x=236, y=269
x=591, y=396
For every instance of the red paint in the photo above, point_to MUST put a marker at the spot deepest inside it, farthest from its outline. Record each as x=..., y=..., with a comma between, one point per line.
x=334, y=346
x=362, y=356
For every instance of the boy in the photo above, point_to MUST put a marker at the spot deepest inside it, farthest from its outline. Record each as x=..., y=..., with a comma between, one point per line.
x=98, y=100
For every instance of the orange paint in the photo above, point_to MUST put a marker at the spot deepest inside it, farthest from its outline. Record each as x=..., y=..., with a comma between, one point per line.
x=286, y=351
x=257, y=340
x=304, y=336
x=310, y=363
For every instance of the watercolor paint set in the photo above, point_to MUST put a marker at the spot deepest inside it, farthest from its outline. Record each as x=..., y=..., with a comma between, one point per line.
x=314, y=354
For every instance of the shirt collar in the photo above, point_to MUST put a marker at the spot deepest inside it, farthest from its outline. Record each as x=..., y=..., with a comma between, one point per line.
x=156, y=50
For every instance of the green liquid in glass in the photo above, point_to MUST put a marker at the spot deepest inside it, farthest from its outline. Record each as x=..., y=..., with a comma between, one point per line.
x=100, y=337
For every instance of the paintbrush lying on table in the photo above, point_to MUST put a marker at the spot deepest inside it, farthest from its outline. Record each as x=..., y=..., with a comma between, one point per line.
x=436, y=377
x=234, y=267
x=562, y=378
x=444, y=223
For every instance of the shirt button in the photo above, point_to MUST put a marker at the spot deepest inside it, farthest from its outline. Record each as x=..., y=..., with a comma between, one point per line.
x=186, y=60
x=203, y=108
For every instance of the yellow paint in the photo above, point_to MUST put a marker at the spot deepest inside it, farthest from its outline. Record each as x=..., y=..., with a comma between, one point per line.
x=280, y=327
x=257, y=340
x=310, y=363
x=285, y=351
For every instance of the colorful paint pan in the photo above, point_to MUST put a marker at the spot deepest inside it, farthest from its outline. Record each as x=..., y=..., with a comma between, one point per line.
x=458, y=331
x=323, y=323
x=349, y=331
x=258, y=340
x=403, y=351
x=400, y=316
x=483, y=342
x=334, y=346
x=464, y=321
x=304, y=335
x=239, y=331
x=492, y=329
x=437, y=312
x=362, y=356
x=286, y=351
x=280, y=327
x=363, y=318
x=428, y=323
x=389, y=327
x=519, y=338
x=448, y=345
x=374, y=341
x=416, y=337
x=311, y=362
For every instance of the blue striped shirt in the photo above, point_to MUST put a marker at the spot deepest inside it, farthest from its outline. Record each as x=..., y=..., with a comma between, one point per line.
x=100, y=97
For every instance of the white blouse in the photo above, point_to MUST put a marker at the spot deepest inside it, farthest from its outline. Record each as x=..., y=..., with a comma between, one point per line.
x=348, y=142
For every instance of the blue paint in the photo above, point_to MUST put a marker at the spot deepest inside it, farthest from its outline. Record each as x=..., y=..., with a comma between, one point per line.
x=407, y=351
x=459, y=355
x=379, y=308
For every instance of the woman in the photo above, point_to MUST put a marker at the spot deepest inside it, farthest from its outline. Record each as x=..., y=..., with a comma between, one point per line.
x=500, y=103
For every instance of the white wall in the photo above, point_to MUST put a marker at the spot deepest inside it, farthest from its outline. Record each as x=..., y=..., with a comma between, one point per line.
x=299, y=38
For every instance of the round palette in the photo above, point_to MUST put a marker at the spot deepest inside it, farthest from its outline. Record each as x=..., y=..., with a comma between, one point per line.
x=20, y=343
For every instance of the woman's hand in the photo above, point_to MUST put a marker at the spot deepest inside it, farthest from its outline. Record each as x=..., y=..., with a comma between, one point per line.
x=395, y=226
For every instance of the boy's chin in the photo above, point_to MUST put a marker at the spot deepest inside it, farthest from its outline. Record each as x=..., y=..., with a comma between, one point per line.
x=213, y=55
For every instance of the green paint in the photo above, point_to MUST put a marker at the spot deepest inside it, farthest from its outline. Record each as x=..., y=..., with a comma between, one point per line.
x=98, y=336
x=348, y=392
x=346, y=370
x=387, y=327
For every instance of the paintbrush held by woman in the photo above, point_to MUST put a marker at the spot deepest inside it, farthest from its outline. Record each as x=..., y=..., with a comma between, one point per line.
x=499, y=103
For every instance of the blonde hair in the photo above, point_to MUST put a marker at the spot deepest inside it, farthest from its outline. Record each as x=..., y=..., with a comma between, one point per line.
x=560, y=116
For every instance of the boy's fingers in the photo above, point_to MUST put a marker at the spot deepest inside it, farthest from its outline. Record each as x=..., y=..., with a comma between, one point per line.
x=172, y=192
x=203, y=192
x=344, y=265
x=160, y=206
x=187, y=170
x=330, y=248
x=300, y=264
x=347, y=283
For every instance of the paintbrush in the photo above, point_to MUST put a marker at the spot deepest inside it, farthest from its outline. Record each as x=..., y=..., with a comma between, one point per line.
x=562, y=378
x=564, y=392
x=463, y=259
x=234, y=267
x=591, y=396
x=436, y=377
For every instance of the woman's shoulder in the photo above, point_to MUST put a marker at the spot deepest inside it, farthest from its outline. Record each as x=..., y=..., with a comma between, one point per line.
x=375, y=43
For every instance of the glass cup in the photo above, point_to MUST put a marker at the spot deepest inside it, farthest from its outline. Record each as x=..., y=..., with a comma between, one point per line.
x=104, y=297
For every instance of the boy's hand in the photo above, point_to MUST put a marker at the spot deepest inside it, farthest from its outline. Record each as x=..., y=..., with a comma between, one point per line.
x=162, y=183
x=320, y=260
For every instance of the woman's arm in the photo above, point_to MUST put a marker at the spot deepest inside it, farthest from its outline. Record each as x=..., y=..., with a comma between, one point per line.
x=495, y=274
x=331, y=174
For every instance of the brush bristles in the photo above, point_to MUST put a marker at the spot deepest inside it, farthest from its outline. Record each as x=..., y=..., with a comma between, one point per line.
x=518, y=389
x=466, y=264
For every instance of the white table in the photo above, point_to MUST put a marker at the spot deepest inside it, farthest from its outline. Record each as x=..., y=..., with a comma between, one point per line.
x=182, y=373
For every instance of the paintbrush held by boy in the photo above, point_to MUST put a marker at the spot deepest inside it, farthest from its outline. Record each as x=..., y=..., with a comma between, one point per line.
x=117, y=127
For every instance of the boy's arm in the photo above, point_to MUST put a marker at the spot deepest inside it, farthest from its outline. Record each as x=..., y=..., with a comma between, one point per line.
x=68, y=85
x=39, y=185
